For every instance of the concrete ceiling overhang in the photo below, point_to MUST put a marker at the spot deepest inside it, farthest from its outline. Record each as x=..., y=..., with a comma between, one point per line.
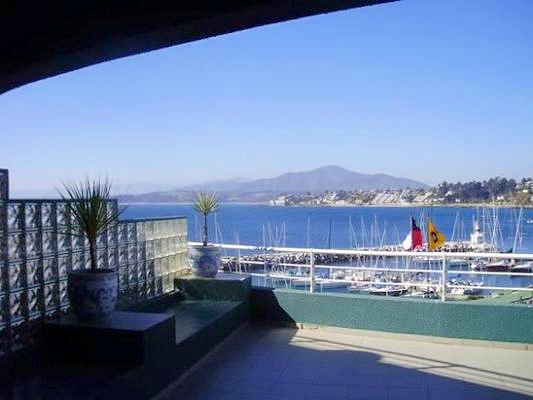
x=47, y=38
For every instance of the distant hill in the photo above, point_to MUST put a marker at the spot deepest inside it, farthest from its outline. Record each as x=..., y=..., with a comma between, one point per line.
x=332, y=178
x=316, y=180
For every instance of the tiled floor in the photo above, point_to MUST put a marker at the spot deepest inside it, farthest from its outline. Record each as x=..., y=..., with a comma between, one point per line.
x=270, y=363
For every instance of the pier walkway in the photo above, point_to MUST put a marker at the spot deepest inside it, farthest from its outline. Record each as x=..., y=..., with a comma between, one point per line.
x=259, y=363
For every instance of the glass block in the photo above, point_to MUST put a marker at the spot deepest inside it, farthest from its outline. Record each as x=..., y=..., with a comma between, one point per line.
x=123, y=255
x=150, y=289
x=3, y=309
x=51, y=296
x=32, y=216
x=78, y=243
x=150, y=270
x=17, y=305
x=63, y=242
x=150, y=252
x=78, y=261
x=168, y=283
x=15, y=216
x=132, y=233
x=123, y=278
x=141, y=290
x=3, y=216
x=88, y=260
x=122, y=233
x=63, y=293
x=172, y=263
x=61, y=214
x=141, y=252
x=174, y=245
x=141, y=232
x=165, y=248
x=34, y=272
x=35, y=301
x=112, y=257
x=158, y=286
x=4, y=278
x=4, y=344
x=101, y=240
x=33, y=244
x=63, y=265
x=112, y=236
x=149, y=230
x=4, y=180
x=132, y=253
x=141, y=271
x=17, y=276
x=102, y=258
x=49, y=243
x=158, y=271
x=132, y=273
x=48, y=216
x=15, y=246
x=157, y=248
x=164, y=265
x=50, y=272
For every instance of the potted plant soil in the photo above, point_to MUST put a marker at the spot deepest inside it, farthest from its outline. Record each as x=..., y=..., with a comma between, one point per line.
x=204, y=259
x=92, y=293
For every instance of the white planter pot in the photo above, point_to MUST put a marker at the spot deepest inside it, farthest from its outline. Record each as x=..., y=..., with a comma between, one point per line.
x=93, y=295
x=204, y=260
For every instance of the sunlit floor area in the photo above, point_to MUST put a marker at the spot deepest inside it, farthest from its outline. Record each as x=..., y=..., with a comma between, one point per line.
x=273, y=363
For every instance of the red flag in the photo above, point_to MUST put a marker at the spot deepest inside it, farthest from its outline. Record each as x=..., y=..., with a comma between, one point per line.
x=413, y=239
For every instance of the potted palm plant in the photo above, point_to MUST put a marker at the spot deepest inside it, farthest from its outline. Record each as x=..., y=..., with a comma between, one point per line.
x=204, y=259
x=92, y=293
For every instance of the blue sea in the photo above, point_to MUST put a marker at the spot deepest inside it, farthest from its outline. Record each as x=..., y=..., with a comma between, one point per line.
x=343, y=227
x=346, y=227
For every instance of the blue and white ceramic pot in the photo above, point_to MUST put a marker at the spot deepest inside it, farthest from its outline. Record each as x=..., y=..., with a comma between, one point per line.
x=93, y=295
x=204, y=260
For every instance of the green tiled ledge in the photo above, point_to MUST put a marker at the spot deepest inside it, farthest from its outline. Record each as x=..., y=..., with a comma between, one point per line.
x=494, y=322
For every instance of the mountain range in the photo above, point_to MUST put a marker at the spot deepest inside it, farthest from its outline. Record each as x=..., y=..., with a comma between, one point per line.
x=317, y=180
x=332, y=178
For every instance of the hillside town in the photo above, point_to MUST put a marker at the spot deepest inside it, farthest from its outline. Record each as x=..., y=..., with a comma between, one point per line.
x=500, y=191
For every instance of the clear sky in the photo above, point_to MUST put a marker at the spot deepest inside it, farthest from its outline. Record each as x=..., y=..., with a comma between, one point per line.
x=428, y=90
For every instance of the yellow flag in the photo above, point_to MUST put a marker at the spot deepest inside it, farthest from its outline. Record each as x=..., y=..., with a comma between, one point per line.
x=435, y=238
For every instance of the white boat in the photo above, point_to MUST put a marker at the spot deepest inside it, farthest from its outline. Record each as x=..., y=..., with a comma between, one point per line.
x=387, y=291
x=422, y=294
x=320, y=283
x=523, y=267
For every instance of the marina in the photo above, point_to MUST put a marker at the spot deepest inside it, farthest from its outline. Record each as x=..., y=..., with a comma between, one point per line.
x=281, y=242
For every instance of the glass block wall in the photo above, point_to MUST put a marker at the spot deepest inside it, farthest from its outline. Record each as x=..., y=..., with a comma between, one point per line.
x=36, y=255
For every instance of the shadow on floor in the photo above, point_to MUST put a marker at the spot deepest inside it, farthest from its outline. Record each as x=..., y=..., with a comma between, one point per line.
x=262, y=363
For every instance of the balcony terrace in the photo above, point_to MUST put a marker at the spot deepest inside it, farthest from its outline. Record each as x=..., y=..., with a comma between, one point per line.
x=259, y=362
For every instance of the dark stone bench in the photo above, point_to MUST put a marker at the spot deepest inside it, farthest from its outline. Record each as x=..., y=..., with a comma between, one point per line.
x=138, y=351
x=127, y=338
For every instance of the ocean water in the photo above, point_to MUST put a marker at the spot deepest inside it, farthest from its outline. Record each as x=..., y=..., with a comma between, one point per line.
x=345, y=227
x=342, y=227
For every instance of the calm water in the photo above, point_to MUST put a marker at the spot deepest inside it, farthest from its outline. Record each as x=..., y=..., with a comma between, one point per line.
x=310, y=226
x=321, y=227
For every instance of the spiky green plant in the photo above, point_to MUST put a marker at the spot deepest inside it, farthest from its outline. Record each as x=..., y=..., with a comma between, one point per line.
x=205, y=204
x=87, y=202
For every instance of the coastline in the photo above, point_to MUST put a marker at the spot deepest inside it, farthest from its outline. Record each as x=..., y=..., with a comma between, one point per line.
x=386, y=205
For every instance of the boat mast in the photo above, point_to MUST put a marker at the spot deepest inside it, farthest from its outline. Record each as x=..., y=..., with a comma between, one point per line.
x=517, y=232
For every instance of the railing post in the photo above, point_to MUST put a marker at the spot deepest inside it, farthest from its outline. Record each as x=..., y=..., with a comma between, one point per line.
x=311, y=271
x=444, y=277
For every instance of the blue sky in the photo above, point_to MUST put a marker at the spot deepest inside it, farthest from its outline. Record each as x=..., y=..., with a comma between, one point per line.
x=428, y=90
